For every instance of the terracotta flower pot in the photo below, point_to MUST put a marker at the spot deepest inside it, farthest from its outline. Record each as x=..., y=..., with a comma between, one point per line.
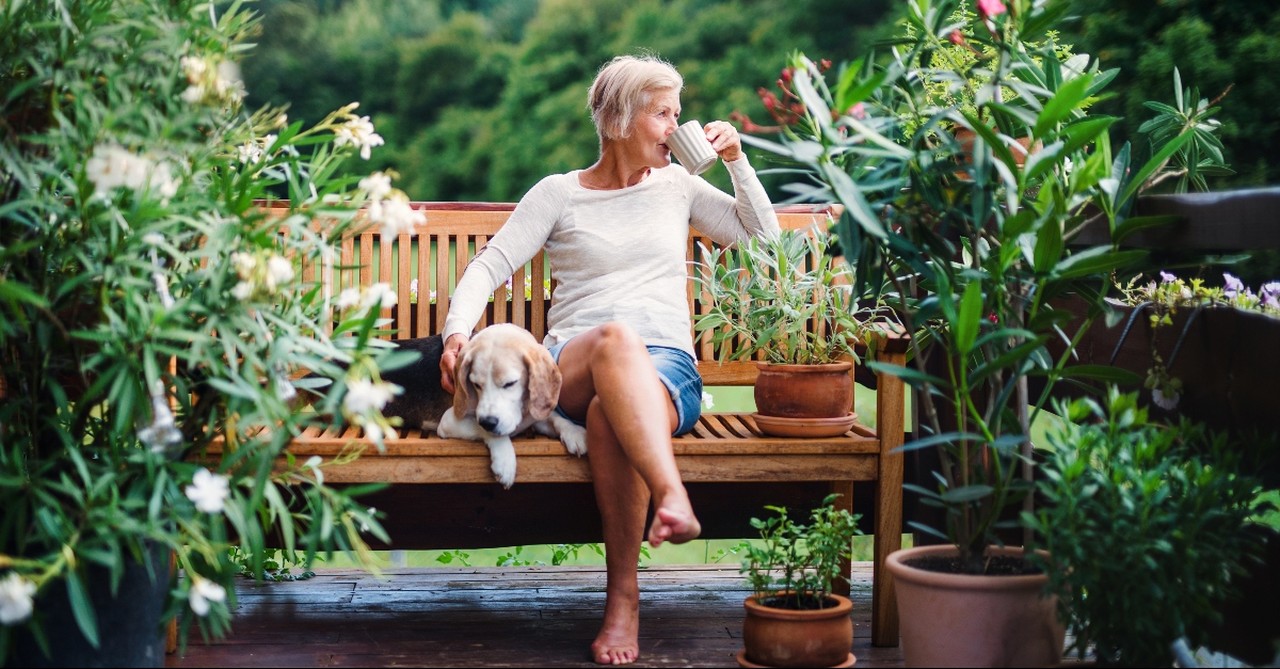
x=804, y=391
x=804, y=400
x=963, y=620
x=778, y=637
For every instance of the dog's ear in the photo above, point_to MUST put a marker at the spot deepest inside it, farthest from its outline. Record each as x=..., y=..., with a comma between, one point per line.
x=544, y=382
x=464, y=394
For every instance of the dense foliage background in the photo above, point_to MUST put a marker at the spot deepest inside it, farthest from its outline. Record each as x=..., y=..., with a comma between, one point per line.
x=478, y=99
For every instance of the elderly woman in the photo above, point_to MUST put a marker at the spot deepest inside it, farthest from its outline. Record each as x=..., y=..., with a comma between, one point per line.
x=619, y=325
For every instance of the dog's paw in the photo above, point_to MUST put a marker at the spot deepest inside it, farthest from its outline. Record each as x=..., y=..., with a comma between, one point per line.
x=574, y=438
x=502, y=461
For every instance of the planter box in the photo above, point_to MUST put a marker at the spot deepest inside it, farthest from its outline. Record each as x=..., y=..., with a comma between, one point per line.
x=1225, y=357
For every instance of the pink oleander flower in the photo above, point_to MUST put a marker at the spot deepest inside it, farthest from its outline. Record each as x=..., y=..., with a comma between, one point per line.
x=991, y=8
x=956, y=37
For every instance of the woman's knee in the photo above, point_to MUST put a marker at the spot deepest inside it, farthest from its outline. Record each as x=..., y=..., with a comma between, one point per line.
x=615, y=336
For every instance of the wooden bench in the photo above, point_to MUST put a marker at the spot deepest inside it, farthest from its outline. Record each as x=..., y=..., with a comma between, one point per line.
x=443, y=495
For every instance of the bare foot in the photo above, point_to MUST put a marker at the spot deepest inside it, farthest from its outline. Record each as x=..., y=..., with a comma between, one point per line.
x=618, y=639
x=674, y=525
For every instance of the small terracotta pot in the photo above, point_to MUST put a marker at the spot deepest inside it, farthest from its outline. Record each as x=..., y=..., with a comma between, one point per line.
x=775, y=637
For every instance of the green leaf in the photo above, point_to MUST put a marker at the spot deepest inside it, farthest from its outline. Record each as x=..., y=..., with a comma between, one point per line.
x=1096, y=260
x=967, y=493
x=1157, y=161
x=1104, y=373
x=965, y=327
x=1049, y=247
x=82, y=608
x=1135, y=224
x=1065, y=101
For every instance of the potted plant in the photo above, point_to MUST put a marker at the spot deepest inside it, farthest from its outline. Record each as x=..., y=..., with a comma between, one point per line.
x=787, y=302
x=1135, y=512
x=976, y=246
x=793, y=619
x=148, y=308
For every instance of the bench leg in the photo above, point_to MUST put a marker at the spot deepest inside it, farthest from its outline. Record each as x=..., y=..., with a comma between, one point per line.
x=845, y=490
x=889, y=427
x=171, y=631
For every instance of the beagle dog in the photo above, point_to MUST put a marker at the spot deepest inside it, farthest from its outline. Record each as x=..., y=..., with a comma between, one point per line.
x=505, y=382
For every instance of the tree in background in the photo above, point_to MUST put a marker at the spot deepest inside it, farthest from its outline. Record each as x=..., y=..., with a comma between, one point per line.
x=478, y=99
x=1223, y=46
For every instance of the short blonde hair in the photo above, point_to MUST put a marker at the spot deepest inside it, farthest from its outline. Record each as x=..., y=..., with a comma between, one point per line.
x=624, y=87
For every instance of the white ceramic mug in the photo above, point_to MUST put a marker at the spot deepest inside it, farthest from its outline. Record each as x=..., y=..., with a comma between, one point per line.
x=690, y=147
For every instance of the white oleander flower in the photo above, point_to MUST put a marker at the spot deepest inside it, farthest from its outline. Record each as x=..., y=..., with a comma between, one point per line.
x=399, y=217
x=707, y=400
x=313, y=463
x=208, y=490
x=279, y=271
x=349, y=297
x=111, y=167
x=16, y=598
x=203, y=593
x=364, y=395
x=242, y=291
x=377, y=185
x=358, y=132
x=379, y=294
x=250, y=152
x=244, y=263
x=194, y=67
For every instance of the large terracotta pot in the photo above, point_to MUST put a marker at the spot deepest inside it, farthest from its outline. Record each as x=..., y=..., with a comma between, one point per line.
x=962, y=620
x=777, y=637
x=804, y=391
x=804, y=400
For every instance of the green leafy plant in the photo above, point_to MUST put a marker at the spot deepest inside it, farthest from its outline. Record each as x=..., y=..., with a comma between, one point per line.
x=150, y=308
x=277, y=565
x=975, y=240
x=787, y=297
x=794, y=565
x=1135, y=512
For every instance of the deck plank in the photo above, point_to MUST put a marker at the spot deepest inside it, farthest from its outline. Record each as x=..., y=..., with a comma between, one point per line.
x=691, y=616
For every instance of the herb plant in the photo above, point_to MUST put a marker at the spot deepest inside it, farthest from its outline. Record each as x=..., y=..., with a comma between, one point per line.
x=795, y=565
x=787, y=297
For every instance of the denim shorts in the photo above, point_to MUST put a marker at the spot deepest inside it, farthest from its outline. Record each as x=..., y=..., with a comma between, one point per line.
x=678, y=372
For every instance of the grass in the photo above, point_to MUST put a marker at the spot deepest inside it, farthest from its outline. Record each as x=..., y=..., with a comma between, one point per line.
x=711, y=551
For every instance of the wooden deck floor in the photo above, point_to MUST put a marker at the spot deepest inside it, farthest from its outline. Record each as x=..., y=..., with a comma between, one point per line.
x=691, y=616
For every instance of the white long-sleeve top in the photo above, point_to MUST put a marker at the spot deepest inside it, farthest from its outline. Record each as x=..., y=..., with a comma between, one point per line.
x=617, y=255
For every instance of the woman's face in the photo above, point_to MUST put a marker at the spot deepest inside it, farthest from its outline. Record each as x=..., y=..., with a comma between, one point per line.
x=649, y=135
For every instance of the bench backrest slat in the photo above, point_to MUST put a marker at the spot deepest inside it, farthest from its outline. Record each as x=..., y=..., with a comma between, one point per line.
x=433, y=257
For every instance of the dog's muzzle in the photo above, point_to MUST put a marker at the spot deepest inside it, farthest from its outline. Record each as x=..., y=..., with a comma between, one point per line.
x=489, y=423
